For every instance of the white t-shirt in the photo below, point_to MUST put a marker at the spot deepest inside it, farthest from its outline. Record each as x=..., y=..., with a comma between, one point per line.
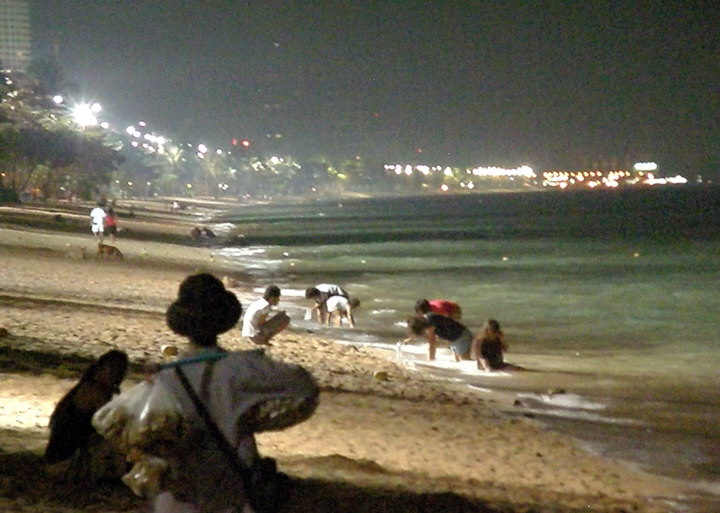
x=331, y=290
x=98, y=216
x=257, y=308
x=337, y=304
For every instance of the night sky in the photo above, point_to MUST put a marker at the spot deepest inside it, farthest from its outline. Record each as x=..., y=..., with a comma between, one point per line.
x=548, y=84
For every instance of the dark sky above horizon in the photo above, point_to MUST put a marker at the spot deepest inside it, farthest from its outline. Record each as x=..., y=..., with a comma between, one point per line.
x=550, y=84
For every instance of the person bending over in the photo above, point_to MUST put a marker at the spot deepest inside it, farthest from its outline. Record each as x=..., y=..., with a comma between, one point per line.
x=438, y=306
x=257, y=325
x=340, y=307
x=75, y=451
x=320, y=294
x=434, y=326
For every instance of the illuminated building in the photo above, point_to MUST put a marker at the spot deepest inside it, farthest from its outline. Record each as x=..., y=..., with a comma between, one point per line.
x=15, y=36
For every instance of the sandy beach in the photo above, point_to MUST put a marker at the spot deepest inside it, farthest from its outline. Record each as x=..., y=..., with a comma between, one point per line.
x=385, y=438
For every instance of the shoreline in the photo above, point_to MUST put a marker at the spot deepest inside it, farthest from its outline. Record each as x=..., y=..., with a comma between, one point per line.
x=361, y=420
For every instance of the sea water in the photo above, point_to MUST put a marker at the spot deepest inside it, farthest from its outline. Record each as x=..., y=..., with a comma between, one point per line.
x=610, y=297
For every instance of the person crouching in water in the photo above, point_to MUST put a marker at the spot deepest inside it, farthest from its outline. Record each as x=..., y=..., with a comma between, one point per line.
x=434, y=326
x=340, y=307
x=320, y=294
x=488, y=347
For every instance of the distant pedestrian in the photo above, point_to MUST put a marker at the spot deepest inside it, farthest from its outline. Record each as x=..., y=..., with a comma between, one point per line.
x=97, y=221
x=111, y=223
x=257, y=325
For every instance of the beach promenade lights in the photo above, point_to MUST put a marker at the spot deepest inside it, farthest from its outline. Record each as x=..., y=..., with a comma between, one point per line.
x=645, y=166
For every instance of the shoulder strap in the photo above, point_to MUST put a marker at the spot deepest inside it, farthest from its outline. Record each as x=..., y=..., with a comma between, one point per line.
x=222, y=442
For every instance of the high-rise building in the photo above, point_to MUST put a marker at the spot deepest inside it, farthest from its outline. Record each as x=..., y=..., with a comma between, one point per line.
x=15, y=35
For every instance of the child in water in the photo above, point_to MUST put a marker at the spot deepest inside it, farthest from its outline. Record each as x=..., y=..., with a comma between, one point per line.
x=488, y=347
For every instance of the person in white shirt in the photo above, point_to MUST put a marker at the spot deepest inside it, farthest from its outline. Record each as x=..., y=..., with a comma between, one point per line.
x=320, y=294
x=257, y=325
x=339, y=308
x=97, y=221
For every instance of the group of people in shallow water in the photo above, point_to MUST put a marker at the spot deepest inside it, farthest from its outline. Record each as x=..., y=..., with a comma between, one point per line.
x=439, y=320
x=262, y=321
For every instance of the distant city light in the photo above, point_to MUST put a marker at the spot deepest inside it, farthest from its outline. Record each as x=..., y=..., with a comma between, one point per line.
x=496, y=172
x=645, y=166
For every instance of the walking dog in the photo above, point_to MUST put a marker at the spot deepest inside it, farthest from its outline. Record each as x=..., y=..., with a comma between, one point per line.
x=107, y=252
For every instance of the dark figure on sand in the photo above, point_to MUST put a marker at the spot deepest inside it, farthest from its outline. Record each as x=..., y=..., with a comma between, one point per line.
x=75, y=451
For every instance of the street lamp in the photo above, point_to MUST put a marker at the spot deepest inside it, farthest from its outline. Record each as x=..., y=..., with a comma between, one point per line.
x=86, y=115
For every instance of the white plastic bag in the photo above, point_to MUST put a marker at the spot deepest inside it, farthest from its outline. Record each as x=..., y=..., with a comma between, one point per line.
x=143, y=416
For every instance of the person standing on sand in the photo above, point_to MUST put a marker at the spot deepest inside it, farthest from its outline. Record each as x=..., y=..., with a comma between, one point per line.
x=257, y=325
x=111, y=223
x=227, y=397
x=75, y=451
x=434, y=326
x=97, y=221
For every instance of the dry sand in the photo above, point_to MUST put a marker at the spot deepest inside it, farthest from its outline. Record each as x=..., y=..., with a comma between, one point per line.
x=407, y=443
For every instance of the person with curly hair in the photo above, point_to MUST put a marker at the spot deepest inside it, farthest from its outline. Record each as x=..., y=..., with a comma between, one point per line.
x=242, y=393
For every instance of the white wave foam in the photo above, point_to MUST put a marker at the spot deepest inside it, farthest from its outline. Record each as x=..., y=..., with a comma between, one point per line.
x=580, y=415
x=565, y=400
x=383, y=311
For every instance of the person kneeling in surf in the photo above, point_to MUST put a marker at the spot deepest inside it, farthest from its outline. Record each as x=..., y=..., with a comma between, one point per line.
x=434, y=326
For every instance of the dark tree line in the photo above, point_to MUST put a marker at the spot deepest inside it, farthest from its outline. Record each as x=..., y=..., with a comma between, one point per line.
x=42, y=150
